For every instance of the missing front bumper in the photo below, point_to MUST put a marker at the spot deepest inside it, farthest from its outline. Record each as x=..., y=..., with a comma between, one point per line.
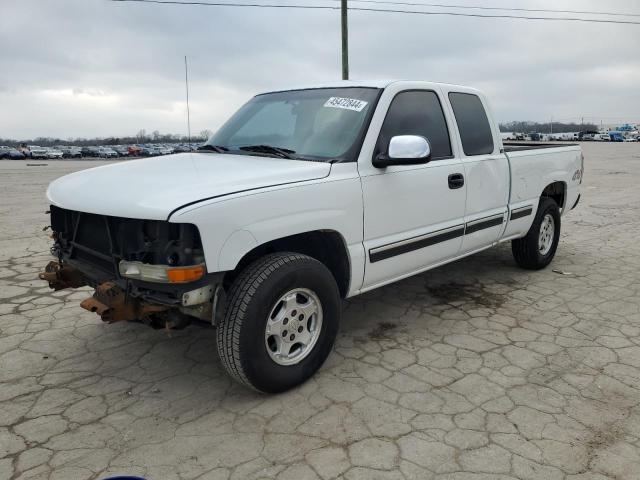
x=157, y=305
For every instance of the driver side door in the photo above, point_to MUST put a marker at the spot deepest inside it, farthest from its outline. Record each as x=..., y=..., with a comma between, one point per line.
x=413, y=214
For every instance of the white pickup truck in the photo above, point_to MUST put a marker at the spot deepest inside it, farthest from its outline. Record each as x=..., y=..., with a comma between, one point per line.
x=304, y=197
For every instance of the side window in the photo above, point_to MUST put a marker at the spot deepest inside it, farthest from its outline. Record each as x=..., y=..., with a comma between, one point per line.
x=417, y=113
x=475, y=131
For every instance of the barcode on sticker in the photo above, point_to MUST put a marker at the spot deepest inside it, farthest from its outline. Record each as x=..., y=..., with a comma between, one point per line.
x=346, y=103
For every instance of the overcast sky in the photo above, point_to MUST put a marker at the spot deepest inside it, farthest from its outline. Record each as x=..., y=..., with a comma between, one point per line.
x=87, y=68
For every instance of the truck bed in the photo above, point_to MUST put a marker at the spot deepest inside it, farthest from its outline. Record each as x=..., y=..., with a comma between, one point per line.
x=535, y=165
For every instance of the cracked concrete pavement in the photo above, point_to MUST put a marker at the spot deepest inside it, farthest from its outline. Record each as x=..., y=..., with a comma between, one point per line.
x=476, y=370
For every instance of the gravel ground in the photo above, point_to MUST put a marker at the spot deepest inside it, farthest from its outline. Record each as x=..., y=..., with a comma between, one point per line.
x=476, y=370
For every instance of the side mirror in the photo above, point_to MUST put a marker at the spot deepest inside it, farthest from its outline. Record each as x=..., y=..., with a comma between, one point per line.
x=404, y=150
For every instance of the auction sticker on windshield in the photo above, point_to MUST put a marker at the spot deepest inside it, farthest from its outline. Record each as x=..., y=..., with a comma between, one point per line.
x=346, y=103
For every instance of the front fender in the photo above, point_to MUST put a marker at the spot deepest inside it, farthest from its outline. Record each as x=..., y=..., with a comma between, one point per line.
x=234, y=248
x=234, y=225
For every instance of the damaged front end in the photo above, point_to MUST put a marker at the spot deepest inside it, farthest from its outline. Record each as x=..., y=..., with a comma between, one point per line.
x=111, y=303
x=142, y=270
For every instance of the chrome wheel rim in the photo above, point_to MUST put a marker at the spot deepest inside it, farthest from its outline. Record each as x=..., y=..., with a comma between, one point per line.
x=547, y=232
x=293, y=326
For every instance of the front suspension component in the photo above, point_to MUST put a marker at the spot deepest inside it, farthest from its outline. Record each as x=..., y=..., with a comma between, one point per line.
x=62, y=276
x=113, y=305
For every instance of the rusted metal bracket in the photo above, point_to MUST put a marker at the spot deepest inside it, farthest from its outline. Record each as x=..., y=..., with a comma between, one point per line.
x=62, y=276
x=112, y=304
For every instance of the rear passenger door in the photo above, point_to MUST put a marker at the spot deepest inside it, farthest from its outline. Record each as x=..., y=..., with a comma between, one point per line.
x=413, y=214
x=486, y=170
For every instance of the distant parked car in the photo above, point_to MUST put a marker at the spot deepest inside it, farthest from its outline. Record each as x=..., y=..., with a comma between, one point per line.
x=631, y=139
x=133, y=150
x=508, y=136
x=153, y=150
x=145, y=152
x=567, y=136
x=601, y=137
x=121, y=151
x=37, y=152
x=616, y=136
x=71, y=152
x=105, y=152
x=90, y=151
x=587, y=135
x=11, y=153
x=53, y=153
x=14, y=154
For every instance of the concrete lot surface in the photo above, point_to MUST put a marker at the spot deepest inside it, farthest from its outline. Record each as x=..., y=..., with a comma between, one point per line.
x=476, y=370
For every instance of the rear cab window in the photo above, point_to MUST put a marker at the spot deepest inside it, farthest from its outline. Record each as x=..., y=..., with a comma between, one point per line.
x=473, y=124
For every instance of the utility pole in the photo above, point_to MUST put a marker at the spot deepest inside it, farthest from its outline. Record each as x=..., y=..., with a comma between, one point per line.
x=345, y=41
x=551, y=126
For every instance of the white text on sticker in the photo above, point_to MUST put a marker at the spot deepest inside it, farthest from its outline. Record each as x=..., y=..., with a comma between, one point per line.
x=346, y=103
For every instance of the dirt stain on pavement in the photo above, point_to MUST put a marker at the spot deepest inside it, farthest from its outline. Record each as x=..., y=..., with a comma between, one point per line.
x=381, y=330
x=453, y=292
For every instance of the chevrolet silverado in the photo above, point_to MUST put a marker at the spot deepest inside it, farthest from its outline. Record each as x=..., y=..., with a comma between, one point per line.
x=303, y=197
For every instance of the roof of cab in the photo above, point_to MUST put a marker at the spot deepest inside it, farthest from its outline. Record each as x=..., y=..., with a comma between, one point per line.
x=355, y=84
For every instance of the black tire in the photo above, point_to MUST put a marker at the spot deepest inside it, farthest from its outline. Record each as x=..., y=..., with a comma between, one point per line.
x=252, y=296
x=525, y=250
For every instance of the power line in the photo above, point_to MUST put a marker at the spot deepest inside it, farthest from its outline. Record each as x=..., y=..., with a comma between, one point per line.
x=220, y=4
x=471, y=7
x=378, y=10
x=519, y=17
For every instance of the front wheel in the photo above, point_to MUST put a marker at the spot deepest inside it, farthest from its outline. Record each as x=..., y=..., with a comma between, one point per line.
x=281, y=321
x=536, y=250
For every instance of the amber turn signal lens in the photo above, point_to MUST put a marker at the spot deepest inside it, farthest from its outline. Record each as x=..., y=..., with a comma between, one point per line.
x=185, y=274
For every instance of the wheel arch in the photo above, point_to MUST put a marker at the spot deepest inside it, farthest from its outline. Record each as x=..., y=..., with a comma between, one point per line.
x=327, y=246
x=557, y=191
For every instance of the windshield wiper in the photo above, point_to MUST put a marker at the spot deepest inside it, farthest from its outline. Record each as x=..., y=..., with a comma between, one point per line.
x=213, y=148
x=280, y=152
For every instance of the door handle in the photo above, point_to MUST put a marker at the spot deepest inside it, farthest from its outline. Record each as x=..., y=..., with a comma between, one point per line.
x=456, y=180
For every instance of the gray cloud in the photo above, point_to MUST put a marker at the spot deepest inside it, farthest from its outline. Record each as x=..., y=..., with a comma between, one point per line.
x=92, y=67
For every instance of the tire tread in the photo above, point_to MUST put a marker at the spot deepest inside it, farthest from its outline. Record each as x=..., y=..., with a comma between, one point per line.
x=242, y=290
x=525, y=250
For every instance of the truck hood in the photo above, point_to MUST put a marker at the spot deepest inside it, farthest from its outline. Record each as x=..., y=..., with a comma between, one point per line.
x=153, y=188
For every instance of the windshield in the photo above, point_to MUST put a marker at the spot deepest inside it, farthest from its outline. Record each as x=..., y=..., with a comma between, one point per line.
x=317, y=124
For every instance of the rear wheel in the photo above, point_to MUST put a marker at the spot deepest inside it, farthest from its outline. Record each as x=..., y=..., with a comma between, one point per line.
x=281, y=321
x=536, y=250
